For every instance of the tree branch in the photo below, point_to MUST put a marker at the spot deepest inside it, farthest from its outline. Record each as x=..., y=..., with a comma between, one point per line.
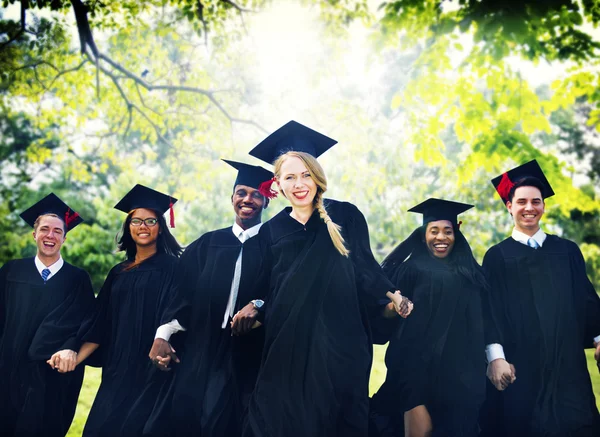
x=24, y=7
x=203, y=21
x=83, y=27
x=208, y=94
x=238, y=7
x=69, y=70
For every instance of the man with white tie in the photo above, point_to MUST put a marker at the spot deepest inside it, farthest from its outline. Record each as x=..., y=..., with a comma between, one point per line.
x=540, y=314
x=215, y=283
x=43, y=301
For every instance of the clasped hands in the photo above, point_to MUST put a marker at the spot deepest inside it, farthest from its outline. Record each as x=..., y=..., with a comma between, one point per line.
x=162, y=353
x=501, y=373
x=399, y=304
x=63, y=361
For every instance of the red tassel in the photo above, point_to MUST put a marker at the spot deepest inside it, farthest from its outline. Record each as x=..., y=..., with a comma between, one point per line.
x=265, y=189
x=70, y=217
x=504, y=187
x=171, y=213
x=458, y=226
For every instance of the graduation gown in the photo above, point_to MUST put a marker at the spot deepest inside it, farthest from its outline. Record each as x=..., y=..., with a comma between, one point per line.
x=317, y=357
x=544, y=311
x=213, y=382
x=128, y=310
x=38, y=319
x=435, y=356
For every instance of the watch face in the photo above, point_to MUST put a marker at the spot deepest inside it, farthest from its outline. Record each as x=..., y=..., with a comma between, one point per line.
x=258, y=303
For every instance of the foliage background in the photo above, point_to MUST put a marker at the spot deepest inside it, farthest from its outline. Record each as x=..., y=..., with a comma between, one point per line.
x=427, y=98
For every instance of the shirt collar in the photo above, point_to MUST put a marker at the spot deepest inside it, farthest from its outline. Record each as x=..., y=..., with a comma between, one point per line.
x=54, y=268
x=539, y=236
x=244, y=235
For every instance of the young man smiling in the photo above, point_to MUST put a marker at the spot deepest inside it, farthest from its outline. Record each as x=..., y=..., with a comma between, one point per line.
x=541, y=312
x=43, y=301
x=216, y=276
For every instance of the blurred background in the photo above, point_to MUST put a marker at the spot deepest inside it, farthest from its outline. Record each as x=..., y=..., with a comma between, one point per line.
x=426, y=98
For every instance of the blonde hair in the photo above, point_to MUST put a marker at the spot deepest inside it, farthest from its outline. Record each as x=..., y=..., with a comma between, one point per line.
x=318, y=175
x=40, y=217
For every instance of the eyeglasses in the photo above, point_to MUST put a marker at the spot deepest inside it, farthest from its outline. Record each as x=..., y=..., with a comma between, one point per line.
x=148, y=222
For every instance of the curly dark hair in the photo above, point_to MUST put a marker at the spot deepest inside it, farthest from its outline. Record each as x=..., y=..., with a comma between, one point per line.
x=166, y=242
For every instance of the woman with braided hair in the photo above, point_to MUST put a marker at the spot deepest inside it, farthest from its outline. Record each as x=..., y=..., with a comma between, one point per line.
x=321, y=279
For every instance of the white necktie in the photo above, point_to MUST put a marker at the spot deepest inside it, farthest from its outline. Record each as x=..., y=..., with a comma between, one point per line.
x=532, y=243
x=235, y=285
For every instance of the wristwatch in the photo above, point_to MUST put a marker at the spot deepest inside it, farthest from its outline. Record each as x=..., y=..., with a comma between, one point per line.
x=258, y=303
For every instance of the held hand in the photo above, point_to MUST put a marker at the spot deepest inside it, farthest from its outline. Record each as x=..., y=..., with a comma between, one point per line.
x=244, y=320
x=389, y=311
x=162, y=353
x=402, y=304
x=501, y=373
x=64, y=361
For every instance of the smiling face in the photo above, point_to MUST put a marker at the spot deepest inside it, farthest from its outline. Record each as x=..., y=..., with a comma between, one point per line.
x=144, y=235
x=439, y=238
x=49, y=236
x=248, y=205
x=527, y=208
x=296, y=183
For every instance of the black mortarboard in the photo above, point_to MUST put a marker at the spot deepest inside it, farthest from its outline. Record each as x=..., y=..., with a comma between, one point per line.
x=505, y=181
x=439, y=209
x=144, y=197
x=51, y=204
x=253, y=176
x=292, y=136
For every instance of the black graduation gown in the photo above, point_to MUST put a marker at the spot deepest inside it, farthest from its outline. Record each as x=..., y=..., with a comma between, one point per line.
x=435, y=356
x=129, y=306
x=213, y=382
x=37, y=320
x=544, y=311
x=317, y=358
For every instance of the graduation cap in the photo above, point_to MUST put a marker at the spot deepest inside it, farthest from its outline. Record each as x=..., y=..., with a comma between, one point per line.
x=144, y=197
x=439, y=209
x=507, y=180
x=292, y=136
x=253, y=176
x=51, y=204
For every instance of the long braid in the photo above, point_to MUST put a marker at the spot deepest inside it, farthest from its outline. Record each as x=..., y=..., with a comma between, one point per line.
x=333, y=228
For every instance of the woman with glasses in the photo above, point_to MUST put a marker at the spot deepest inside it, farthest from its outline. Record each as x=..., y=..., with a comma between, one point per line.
x=127, y=314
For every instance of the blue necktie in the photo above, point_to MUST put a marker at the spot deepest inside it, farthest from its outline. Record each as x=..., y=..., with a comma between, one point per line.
x=45, y=274
x=532, y=243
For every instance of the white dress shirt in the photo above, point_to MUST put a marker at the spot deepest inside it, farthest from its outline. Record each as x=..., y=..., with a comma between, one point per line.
x=54, y=268
x=165, y=331
x=495, y=351
x=243, y=236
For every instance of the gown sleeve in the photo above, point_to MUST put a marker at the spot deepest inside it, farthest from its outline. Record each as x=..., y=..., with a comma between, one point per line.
x=59, y=329
x=3, y=274
x=404, y=277
x=186, y=273
x=493, y=299
x=370, y=278
x=262, y=284
x=592, y=301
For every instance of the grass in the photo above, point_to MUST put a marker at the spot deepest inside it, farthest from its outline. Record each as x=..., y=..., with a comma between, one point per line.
x=92, y=381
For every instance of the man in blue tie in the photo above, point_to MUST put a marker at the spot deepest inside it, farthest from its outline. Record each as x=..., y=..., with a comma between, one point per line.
x=540, y=314
x=215, y=286
x=43, y=301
